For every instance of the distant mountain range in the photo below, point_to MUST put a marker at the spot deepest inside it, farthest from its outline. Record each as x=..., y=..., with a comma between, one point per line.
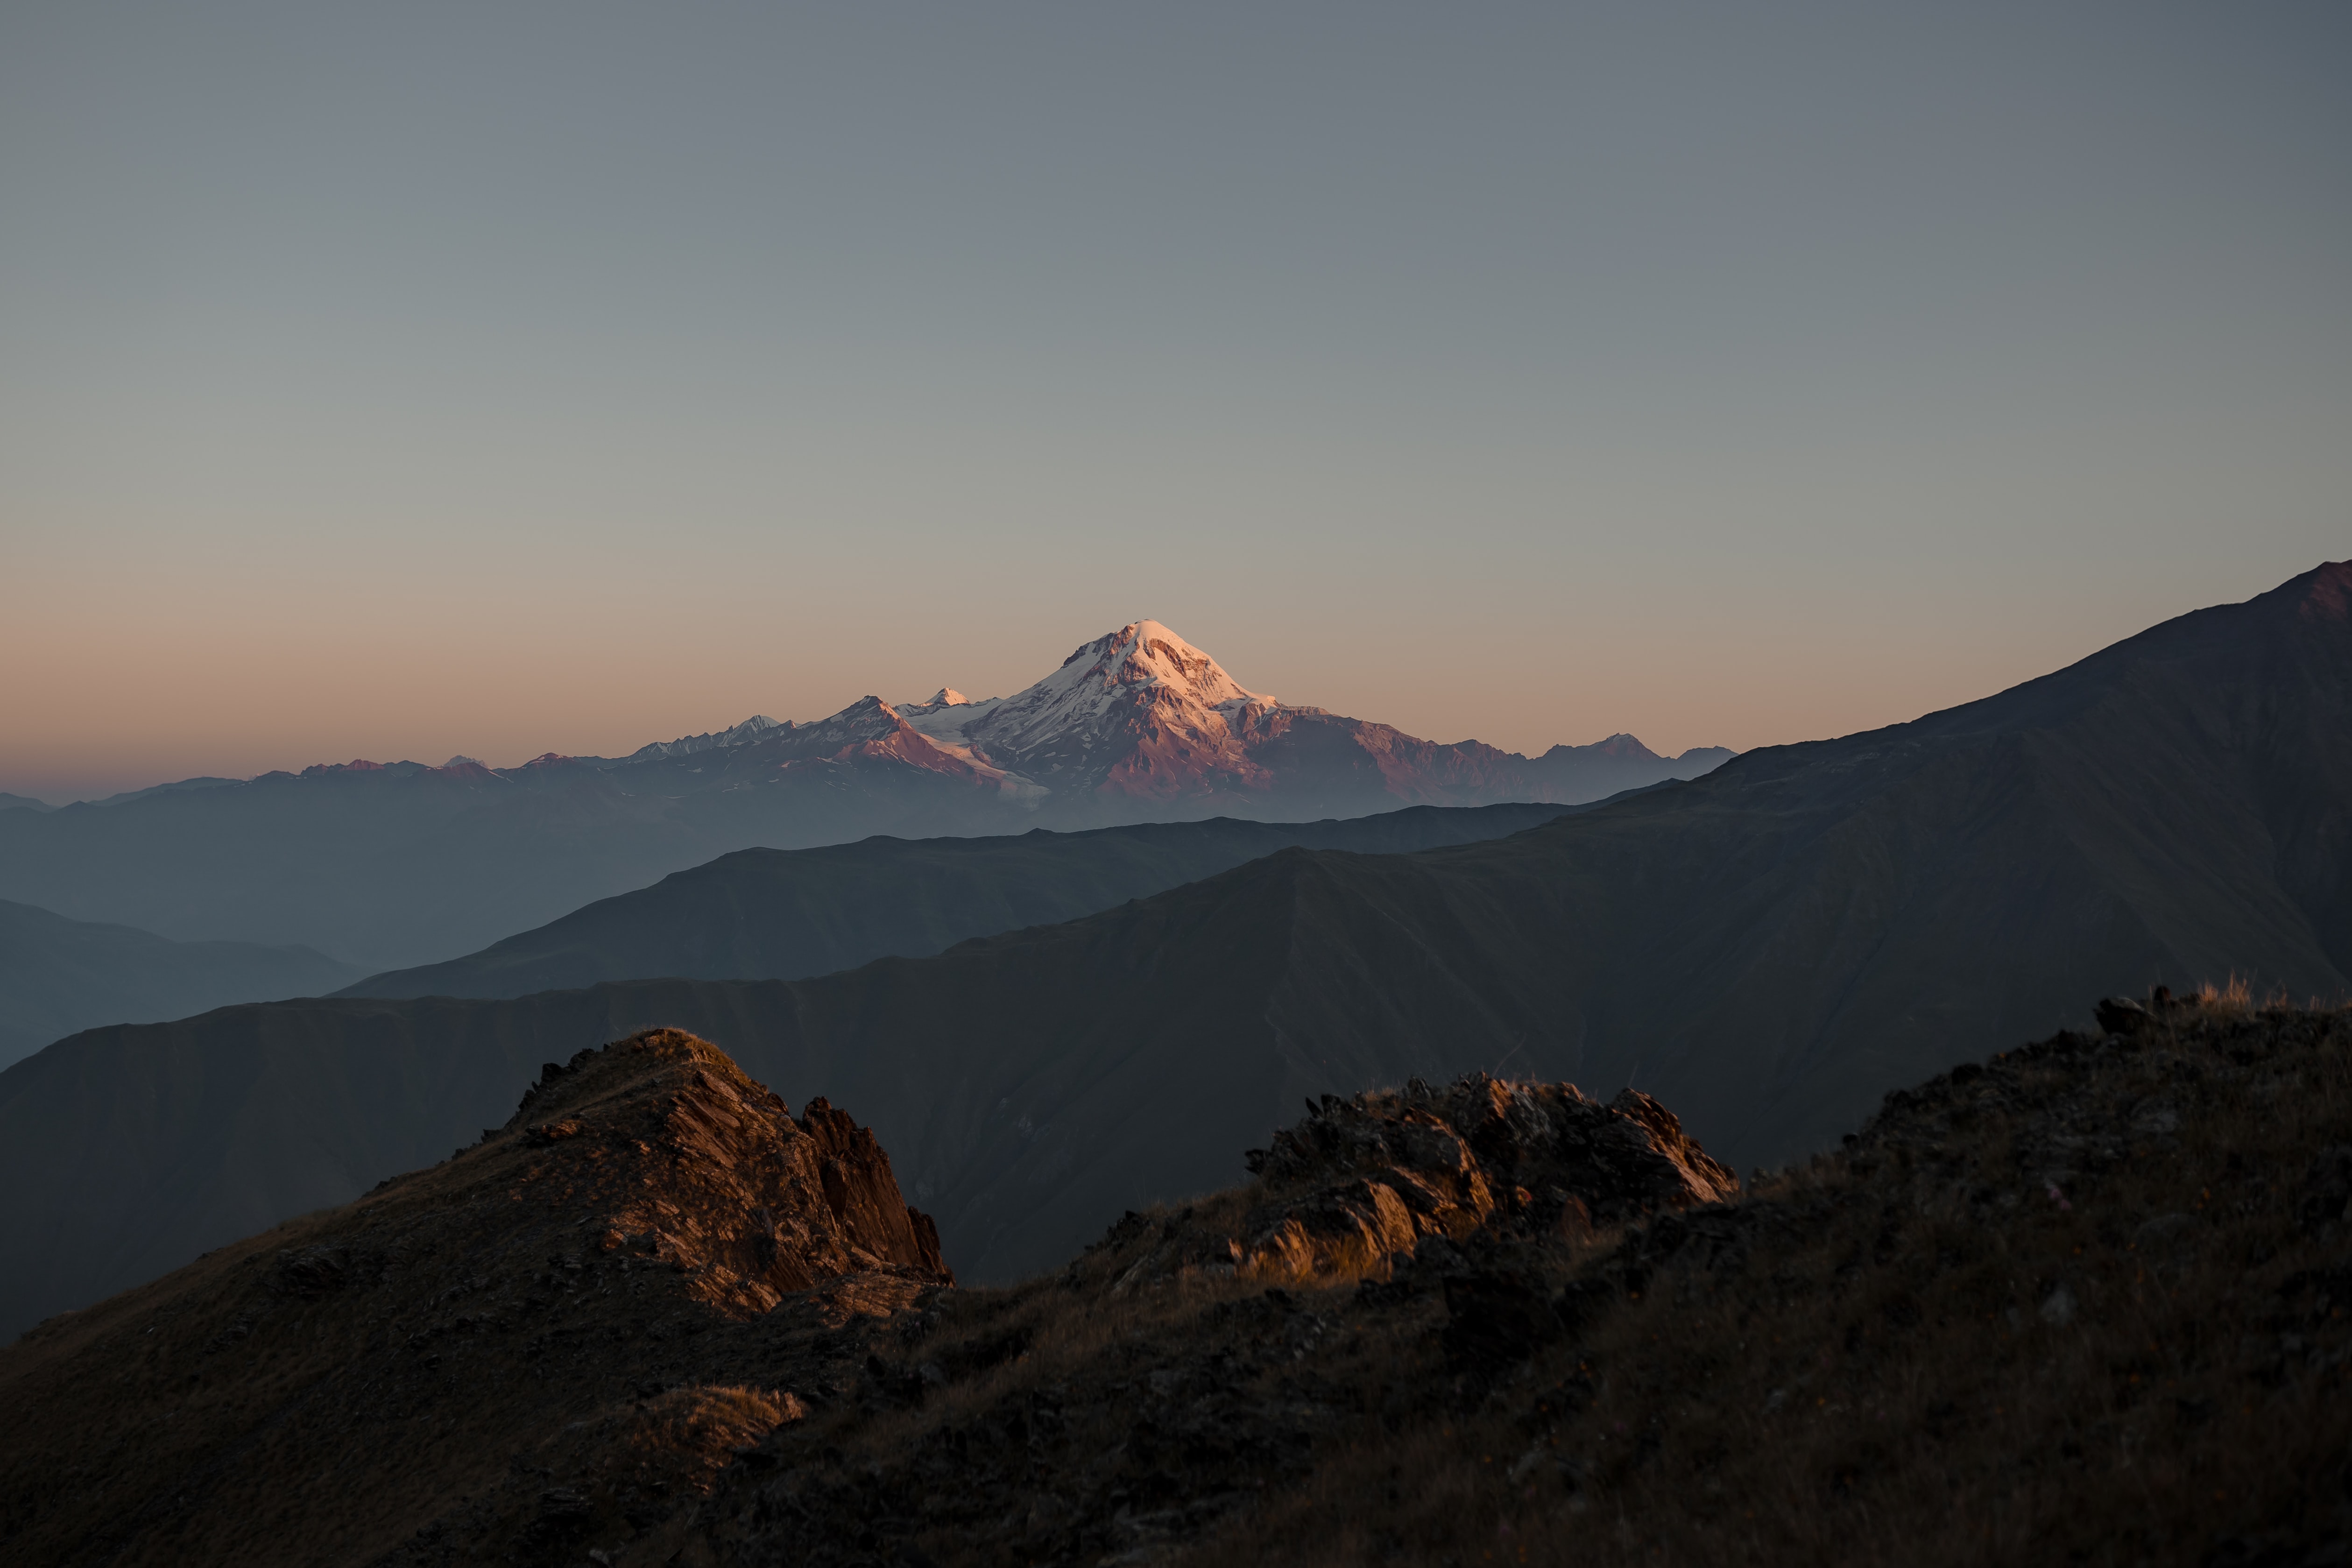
x=59, y=976
x=1769, y=948
x=401, y=864
x=783, y=914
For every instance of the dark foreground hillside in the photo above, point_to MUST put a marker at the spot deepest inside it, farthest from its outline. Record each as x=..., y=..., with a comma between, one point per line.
x=2085, y=1301
x=314, y=1393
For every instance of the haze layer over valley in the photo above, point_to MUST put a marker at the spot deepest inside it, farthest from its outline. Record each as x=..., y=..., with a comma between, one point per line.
x=57, y=976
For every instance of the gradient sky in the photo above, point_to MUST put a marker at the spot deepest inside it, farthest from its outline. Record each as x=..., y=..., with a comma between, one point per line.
x=400, y=380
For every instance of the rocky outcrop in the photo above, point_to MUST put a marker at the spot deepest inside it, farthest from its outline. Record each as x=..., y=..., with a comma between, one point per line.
x=692, y=1163
x=1364, y=1180
x=571, y=1323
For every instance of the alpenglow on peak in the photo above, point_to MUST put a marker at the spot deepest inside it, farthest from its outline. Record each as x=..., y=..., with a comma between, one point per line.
x=1137, y=701
x=1148, y=653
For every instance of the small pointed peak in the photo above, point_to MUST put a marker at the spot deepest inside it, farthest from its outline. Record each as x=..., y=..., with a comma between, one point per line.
x=462, y=761
x=2326, y=592
x=1082, y=708
x=947, y=697
x=1148, y=652
x=867, y=714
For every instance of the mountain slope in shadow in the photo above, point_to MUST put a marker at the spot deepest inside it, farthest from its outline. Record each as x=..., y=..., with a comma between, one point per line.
x=782, y=914
x=59, y=976
x=1769, y=949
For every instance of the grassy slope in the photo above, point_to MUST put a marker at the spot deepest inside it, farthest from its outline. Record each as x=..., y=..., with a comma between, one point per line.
x=2089, y=1303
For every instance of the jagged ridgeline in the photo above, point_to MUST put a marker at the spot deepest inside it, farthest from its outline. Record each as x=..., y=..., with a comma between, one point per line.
x=2086, y=1300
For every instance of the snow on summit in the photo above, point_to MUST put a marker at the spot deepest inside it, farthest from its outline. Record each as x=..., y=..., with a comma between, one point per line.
x=1140, y=682
x=1140, y=714
x=1146, y=651
x=1142, y=656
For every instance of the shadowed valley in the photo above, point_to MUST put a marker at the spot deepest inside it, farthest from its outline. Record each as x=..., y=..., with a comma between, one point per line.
x=773, y=914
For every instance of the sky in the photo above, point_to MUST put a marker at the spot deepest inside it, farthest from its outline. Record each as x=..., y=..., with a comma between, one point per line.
x=402, y=381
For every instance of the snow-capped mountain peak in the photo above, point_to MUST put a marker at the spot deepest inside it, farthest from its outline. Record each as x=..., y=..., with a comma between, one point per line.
x=1142, y=656
x=1139, y=690
x=1148, y=653
x=1140, y=715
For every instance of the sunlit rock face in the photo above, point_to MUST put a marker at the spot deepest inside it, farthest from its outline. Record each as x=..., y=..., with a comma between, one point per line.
x=578, y=1320
x=1367, y=1179
x=1137, y=711
x=680, y=1159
